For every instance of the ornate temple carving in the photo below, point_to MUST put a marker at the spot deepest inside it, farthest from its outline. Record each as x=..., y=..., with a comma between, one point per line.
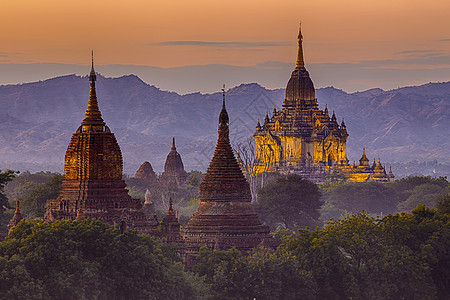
x=301, y=133
x=93, y=185
x=302, y=138
x=225, y=217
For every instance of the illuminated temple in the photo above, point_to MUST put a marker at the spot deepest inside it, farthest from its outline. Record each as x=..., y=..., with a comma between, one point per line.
x=303, y=139
x=93, y=185
x=225, y=217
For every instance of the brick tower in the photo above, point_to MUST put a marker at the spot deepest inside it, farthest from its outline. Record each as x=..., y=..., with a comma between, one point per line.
x=225, y=217
x=93, y=185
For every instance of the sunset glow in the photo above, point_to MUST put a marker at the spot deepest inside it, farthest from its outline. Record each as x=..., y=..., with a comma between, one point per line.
x=403, y=34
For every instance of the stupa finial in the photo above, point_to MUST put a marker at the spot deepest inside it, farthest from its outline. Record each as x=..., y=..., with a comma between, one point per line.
x=92, y=75
x=300, y=65
x=223, y=117
x=93, y=116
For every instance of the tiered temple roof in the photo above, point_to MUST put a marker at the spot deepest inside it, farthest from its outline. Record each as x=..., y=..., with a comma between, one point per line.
x=300, y=134
x=225, y=217
x=93, y=185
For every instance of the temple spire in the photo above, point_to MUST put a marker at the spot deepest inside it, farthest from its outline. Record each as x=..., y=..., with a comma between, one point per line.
x=93, y=116
x=223, y=117
x=92, y=76
x=170, y=211
x=300, y=65
x=173, y=144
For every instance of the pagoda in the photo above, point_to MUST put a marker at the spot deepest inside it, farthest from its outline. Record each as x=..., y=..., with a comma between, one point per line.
x=146, y=172
x=303, y=139
x=225, y=217
x=93, y=185
x=173, y=168
x=301, y=134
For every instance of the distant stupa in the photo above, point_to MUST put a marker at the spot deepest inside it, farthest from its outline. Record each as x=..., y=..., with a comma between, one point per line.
x=145, y=171
x=93, y=185
x=173, y=168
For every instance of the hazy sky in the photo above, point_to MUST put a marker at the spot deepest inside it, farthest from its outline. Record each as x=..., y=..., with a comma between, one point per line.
x=394, y=34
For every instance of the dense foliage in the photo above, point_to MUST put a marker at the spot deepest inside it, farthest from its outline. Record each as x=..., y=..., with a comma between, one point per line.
x=262, y=275
x=404, y=194
x=402, y=256
x=289, y=202
x=5, y=177
x=90, y=260
x=35, y=196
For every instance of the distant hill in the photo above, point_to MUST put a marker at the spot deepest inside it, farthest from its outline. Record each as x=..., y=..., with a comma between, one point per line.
x=37, y=120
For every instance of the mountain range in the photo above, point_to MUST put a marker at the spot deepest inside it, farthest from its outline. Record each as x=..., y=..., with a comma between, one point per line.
x=37, y=120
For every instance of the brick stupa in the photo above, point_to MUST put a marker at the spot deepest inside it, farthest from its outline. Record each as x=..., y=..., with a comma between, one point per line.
x=225, y=217
x=93, y=185
x=145, y=171
x=173, y=168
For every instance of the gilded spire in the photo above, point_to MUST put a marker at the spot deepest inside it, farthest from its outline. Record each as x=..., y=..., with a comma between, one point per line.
x=93, y=116
x=300, y=65
x=173, y=144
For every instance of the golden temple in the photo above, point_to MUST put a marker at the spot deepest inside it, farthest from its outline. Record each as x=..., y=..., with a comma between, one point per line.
x=304, y=139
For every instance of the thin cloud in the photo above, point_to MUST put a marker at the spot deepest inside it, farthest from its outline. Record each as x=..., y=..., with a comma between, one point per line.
x=223, y=44
x=8, y=54
x=444, y=40
x=413, y=52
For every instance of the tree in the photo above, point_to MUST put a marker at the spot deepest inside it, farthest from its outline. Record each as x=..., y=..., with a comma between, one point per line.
x=361, y=257
x=426, y=194
x=443, y=204
x=90, y=260
x=372, y=197
x=289, y=201
x=5, y=177
x=261, y=275
x=247, y=153
x=32, y=202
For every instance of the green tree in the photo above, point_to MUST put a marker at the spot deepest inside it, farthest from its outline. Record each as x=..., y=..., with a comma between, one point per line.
x=401, y=256
x=443, y=204
x=261, y=275
x=426, y=194
x=32, y=202
x=90, y=260
x=5, y=177
x=289, y=201
x=372, y=197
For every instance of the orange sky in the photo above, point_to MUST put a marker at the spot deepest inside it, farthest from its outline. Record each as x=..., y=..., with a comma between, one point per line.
x=144, y=32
